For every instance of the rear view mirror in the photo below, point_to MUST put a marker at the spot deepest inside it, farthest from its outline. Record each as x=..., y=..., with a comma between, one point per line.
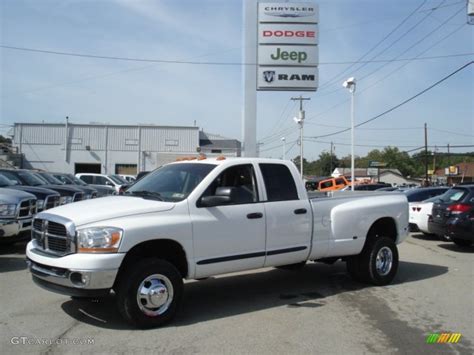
x=223, y=196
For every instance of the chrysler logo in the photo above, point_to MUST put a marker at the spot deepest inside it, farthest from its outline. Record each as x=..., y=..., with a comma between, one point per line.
x=289, y=11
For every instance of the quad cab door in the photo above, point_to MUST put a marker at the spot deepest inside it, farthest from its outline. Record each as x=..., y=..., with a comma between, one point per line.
x=289, y=216
x=229, y=235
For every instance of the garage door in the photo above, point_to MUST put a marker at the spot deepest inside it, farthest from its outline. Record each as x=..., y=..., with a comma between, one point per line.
x=126, y=169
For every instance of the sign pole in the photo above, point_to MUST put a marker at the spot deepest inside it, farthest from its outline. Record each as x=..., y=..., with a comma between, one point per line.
x=249, y=79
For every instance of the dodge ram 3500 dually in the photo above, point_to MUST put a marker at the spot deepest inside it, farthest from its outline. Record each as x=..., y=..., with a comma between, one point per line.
x=202, y=217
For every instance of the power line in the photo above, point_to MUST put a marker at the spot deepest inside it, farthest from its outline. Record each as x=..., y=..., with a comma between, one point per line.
x=402, y=103
x=417, y=42
x=375, y=46
x=450, y=132
x=163, y=61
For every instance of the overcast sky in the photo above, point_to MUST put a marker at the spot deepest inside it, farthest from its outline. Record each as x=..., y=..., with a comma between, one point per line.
x=38, y=87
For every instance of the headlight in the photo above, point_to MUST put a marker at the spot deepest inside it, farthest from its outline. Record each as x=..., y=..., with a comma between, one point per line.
x=65, y=199
x=7, y=210
x=99, y=240
x=39, y=204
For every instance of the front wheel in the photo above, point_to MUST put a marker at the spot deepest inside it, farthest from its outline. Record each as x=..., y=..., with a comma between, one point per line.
x=377, y=264
x=149, y=295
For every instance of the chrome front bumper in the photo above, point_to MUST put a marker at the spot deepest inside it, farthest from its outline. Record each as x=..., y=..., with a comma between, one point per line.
x=77, y=274
x=13, y=227
x=81, y=279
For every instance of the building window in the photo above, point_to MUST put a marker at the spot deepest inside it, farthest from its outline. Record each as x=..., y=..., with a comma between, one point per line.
x=217, y=151
x=171, y=142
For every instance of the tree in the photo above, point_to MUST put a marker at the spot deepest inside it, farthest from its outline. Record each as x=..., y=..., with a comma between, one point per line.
x=5, y=140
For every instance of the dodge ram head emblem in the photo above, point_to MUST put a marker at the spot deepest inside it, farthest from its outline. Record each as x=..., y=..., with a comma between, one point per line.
x=268, y=75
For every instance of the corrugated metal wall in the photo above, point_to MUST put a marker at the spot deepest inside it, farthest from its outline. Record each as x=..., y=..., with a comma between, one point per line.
x=119, y=138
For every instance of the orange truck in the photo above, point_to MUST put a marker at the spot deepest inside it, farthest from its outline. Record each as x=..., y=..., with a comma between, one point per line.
x=333, y=184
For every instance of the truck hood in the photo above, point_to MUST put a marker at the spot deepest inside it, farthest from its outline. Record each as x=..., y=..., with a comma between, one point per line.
x=105, y=208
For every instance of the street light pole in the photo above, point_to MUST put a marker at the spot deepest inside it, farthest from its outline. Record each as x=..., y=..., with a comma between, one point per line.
x=283, y=139
x=351, y=85
x=300, y=121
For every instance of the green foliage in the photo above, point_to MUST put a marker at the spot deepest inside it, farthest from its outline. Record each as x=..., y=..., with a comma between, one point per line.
x=5, y=140
x=412, y=166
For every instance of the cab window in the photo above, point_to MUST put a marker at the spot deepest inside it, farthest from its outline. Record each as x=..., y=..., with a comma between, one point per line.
x=240, y=177
x=279, y=182
x=326, y=184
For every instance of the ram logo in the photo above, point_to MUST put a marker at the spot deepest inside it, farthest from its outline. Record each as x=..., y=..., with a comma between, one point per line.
x=269, y=75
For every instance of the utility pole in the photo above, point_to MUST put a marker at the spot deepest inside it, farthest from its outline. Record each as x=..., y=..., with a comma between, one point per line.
x=449, y=156
x=426, y=155
x=330, y=167
x=283, y=139
x=300, y=121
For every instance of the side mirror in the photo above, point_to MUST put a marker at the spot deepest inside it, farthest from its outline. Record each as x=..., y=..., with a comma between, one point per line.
x=223, y=196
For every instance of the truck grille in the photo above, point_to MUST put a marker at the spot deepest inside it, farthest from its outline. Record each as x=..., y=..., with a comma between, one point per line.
x=27, y=208
x=51, y=201
x=78, y=196
x=52, y=237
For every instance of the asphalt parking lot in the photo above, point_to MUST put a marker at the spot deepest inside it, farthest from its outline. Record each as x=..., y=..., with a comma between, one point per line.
x=317, y=310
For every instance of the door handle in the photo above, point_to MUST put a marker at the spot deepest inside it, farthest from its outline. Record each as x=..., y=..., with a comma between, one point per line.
x=255, y=215
x=300, y=211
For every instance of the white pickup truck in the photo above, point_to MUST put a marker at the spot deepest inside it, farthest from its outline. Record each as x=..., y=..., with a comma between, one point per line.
x=202, y=217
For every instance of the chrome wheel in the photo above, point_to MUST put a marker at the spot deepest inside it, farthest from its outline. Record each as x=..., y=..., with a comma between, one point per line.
x=154, y=295
x=383, y=263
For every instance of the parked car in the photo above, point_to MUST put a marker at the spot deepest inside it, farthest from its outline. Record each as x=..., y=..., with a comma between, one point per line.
x=89, y=192
x=333, y=184
x=451, y=214
x=70, y=179
x=129, y=178
x=45, y=198
x=419, y=214
x=424, y=193
x=30, y=178
x=368, y=187
x=101, y=179
x=195, y=219
x=17, y=209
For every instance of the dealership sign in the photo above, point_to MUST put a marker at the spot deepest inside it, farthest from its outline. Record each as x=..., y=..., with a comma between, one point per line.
x=286, y=78
x=287, y=34
x=288, y=53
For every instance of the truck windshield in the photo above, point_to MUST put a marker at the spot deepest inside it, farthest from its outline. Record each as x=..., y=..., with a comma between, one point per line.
x=172, y=182
x=6, y=182
x=32, y=180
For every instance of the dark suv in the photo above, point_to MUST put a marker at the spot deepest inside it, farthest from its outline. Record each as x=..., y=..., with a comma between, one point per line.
x=453, y=215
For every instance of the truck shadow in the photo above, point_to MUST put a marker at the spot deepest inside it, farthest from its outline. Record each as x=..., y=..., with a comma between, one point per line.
x=231, y=295
x=8, y=264
x=17, y=248
x=456, y=248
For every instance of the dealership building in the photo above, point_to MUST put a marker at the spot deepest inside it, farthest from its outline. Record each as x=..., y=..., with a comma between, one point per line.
x=112, y=149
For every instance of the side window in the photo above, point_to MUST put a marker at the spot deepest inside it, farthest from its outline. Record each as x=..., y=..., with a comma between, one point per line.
x=100, y=180
x=87, y=179
x=340, y=181
x=326, y=184
x=240, y=177
x=279, y=182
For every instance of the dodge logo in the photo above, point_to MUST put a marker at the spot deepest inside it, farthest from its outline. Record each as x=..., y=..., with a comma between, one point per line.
x=269, y=75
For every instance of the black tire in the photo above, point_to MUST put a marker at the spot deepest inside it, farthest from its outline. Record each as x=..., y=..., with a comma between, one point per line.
x=462, y=242
x=292, y=267
x=364, y=266
x=129, y=284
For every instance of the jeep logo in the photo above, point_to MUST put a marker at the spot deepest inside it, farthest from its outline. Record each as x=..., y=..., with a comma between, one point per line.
x=292, y=56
